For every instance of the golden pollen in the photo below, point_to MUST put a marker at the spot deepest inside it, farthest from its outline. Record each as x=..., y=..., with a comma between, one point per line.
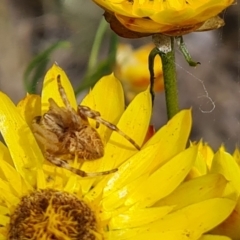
x=53, y=215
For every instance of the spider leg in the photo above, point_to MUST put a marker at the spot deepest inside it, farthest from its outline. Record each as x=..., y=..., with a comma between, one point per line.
x=63, y=93
x=63, y=164
x=89, y=113
x=43, y=136
x=66, y=101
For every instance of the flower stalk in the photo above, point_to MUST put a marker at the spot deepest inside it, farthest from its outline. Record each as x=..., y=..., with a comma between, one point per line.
x=165, y=49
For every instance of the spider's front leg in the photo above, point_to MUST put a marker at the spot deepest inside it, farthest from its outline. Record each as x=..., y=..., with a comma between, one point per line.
x=57, y=161
x=46, y=139
x=87, y=112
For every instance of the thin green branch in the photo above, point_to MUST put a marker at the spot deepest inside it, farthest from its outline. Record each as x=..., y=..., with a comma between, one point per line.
x=103, y=68
x=97, y=44
x=151, y=59
x=184, y=51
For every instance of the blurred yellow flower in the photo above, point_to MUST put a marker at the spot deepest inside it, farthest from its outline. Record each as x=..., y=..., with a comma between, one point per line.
x=228, y=166
x=41, y=202
x=173, y=17
x=132, y=69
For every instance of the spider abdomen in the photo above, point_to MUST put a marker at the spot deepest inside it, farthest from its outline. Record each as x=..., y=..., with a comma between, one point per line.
x=86, y=143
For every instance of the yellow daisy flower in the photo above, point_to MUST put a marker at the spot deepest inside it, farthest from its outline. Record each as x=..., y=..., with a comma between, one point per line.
x=132, y=69
x=41, y=201
x=140, y=18
x=228, y=166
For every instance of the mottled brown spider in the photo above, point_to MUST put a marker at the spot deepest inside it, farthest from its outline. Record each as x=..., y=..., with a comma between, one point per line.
x=64, y=133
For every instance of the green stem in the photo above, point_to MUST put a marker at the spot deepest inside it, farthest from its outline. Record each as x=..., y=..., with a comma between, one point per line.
x=165, y=46
x=97, y=44
x=170, y=81
x=151, y=58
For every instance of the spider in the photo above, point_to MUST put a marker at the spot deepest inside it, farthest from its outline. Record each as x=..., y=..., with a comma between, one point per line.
x=64, y=133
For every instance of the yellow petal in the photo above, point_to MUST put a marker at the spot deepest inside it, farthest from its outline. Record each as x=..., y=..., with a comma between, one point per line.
x=41, y=179
x=188, y=223
x=134, y=122
x=198, y=189
x=21, y=143
x=108, y=99
x=4, y=210
x=2, y=236
x=225, y=164
x=203, y=162
x=50, y=88
x=173, y=136
x=72, y=185
x=166, y=235
x=236, y=156
x=117, y=199
x=196, y=218
x=230, y=227
x=5, y=154
x=4, y=219
x=167, y=178
x=53, y=177
x=144, y=25
x=131, y=169
x=200, y=162
x=194, y=173
x=207, y=154
x=29, y=108
x=138, y=217
x=7, y=195
x=14, y=179
x=214, y=237
x=129, y=176
x=140, y=234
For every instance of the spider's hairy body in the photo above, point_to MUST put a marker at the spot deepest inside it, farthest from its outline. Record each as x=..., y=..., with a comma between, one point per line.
x=64, y=134
x=71, y=137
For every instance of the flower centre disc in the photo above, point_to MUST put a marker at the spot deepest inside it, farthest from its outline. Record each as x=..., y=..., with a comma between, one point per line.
x=50, y=214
